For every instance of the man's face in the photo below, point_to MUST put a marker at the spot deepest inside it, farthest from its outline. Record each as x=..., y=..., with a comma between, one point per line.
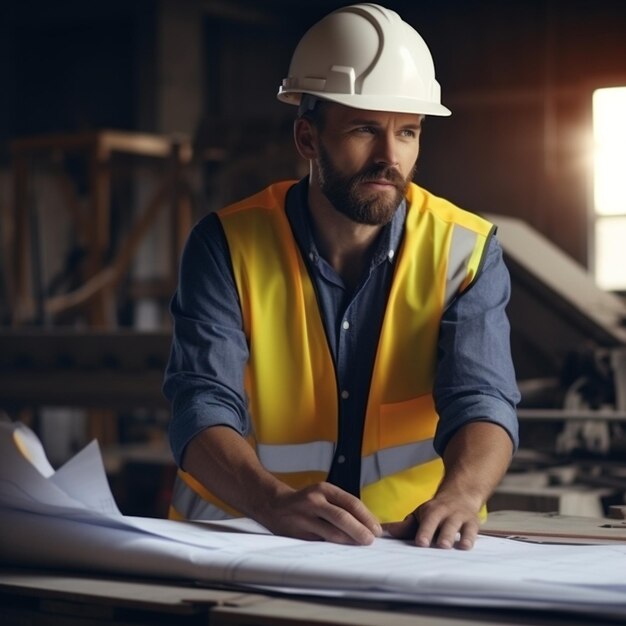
x=366, y=160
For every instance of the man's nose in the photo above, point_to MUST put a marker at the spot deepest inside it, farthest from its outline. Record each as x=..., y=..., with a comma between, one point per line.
x=386, y=150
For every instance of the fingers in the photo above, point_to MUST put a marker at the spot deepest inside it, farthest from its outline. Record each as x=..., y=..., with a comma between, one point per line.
x=438, y=526
x=343, y=517
x=468, y=536
x=406, y=529
x=444, y=528
x=339, y=531
x=324, y=512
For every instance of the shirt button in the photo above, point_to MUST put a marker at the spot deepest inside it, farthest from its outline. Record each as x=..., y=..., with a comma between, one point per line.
x=341, y=459
x=312, y=256
x=345, y=394
x=346, y=324
x=390, y=254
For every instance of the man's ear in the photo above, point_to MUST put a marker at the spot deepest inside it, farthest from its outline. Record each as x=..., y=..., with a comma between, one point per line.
x=305, y=137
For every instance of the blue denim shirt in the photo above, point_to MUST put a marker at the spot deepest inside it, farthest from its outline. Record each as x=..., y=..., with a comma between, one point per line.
x=475, y=378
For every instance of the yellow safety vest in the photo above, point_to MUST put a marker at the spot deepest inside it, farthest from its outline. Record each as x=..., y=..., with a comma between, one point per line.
x=290, y=376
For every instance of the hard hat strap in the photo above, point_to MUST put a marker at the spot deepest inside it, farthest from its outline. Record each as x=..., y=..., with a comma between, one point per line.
x=307, y=104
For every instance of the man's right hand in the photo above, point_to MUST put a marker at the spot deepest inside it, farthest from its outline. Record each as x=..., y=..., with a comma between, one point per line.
x=321, y=512
x=223, y=461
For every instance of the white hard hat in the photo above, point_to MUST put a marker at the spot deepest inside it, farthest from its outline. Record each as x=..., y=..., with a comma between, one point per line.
x=365, y=56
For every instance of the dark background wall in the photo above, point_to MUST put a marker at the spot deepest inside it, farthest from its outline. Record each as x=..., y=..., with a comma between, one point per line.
x=517, y=75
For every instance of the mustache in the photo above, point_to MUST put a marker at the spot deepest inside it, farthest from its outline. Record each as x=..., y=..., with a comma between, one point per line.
x=381, y=172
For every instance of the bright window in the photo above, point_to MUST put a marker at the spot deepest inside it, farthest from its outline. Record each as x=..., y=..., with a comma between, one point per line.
x=609, y=188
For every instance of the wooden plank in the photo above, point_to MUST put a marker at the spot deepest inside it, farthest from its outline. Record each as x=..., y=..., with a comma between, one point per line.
x=554, y=527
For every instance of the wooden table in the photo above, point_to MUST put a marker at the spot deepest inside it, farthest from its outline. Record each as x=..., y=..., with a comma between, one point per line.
x=54, y=598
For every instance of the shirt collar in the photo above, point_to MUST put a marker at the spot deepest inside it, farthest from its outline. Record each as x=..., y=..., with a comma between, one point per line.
x=297, y=209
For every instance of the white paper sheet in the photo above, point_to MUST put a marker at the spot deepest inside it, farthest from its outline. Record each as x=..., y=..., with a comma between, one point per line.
x=77, y=491
x=68, y=519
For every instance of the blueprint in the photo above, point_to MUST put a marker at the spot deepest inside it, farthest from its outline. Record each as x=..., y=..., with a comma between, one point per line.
x=68, y=518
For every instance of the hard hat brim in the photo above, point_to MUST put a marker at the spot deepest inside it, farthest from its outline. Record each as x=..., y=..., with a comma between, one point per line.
x=370, y=103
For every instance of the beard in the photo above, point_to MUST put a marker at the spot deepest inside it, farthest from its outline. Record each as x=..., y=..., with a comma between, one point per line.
x=344, y=192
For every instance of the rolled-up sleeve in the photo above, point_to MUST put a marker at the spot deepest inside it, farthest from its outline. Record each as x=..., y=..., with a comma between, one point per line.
x=204, y=378
x=475, y=378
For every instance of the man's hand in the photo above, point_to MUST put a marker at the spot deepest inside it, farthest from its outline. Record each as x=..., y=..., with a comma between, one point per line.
x=320, y=512
x=442, y=522
x=476, y=458
x=226, y=465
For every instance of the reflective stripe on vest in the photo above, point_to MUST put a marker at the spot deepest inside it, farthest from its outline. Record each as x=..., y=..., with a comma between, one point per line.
x=390, y=461
x=305, y=457
x=318, y=456
x=296, y=457
x=461, y=248
x=189, y=505
x=293, y=399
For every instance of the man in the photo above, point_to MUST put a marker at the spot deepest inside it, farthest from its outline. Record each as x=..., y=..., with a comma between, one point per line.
x=340, y=363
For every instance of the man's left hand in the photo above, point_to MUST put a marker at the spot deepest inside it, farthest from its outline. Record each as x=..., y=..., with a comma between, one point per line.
x=476, y=458
x=441, y=522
